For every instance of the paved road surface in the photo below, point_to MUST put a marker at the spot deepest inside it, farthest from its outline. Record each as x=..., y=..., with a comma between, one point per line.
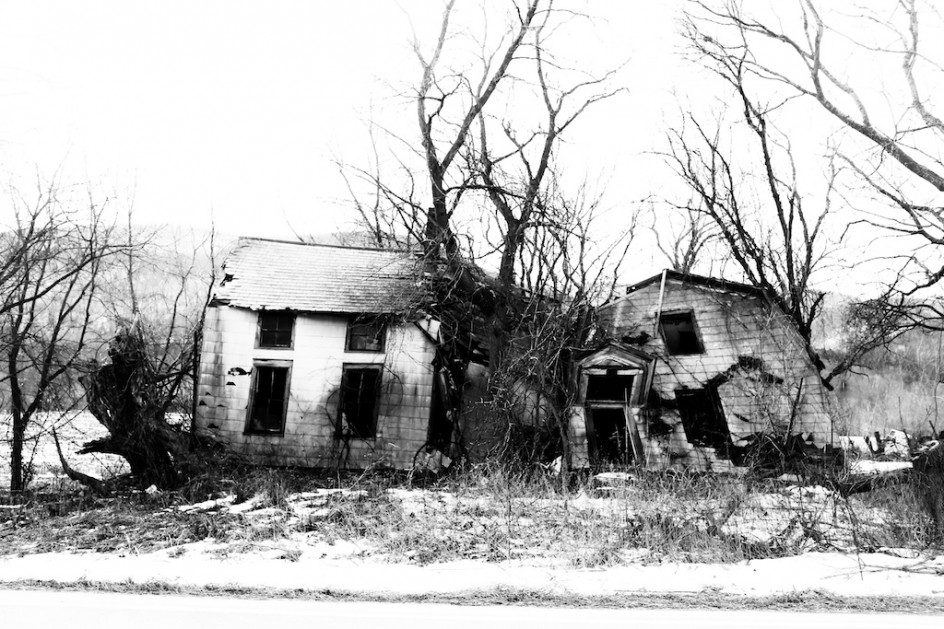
x=81, y=610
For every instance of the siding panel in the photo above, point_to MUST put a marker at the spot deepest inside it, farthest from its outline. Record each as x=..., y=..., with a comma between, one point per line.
x=317, y=356
x=731, y=325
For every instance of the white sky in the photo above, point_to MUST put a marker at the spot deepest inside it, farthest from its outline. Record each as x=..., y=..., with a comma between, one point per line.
x=241, y=108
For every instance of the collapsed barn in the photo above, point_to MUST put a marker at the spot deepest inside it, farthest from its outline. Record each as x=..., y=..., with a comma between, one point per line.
x=695, y=370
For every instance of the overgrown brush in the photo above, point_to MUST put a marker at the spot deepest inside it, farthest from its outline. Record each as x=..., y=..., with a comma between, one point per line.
x=489, y=513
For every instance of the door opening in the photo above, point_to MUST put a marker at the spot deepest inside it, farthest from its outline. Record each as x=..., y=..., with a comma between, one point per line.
x=611, y=439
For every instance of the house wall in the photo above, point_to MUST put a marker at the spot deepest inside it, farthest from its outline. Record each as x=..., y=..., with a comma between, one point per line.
x=317, y=357
x=730, y=325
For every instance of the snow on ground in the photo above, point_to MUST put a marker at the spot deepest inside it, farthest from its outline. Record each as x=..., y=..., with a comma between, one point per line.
x=74, y=430
x=339, y=569
x=308, y=556
x=304, y=561
x=869, y=466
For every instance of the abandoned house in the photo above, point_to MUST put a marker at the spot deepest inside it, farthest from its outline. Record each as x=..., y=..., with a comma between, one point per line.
x=311, y=356
x=320, y=356
x=695, y=368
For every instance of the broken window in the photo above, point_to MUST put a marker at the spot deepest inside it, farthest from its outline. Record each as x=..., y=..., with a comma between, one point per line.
x=678, y=331
x=612, y=387
x=268, y=397
x=360, y=396
x=366, y=335
x=275, y=329
x=702, y=418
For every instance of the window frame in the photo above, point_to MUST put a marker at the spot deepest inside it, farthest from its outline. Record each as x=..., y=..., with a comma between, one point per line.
x=693, y=406
x=259, y=329
x=341, y=427
x=285, y=365
x=678, y=314
x=366, y=321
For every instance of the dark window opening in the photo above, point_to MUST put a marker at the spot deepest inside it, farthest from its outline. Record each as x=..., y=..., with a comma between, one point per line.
x=360, y=395
x=269, y=398
x=275, y=329
x=366, y=336
x=678, y=330
x=440, y=418
x=702, y=418
x=610, y=437
x=609, y=388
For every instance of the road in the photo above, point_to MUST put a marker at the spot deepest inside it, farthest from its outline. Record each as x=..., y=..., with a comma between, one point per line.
x=81, y=610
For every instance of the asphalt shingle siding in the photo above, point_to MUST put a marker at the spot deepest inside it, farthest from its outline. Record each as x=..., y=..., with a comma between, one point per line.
x=273, y=275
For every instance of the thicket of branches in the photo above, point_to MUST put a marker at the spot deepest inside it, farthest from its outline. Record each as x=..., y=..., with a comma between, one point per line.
x=82, y=298
x=51, y=260
x=882, y=162
x=142, y=389
x=510, y=236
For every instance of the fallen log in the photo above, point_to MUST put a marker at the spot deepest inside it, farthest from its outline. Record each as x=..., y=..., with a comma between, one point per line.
x=96, y=485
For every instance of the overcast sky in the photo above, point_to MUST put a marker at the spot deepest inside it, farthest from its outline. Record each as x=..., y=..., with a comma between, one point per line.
x=238, y=111
x=242, y=108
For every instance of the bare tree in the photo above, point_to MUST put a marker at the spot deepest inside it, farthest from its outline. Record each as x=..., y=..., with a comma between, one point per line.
x=70, y=278
x=443, y=139
x=491, y=120
x=776, y=239
x=889, y=109
x=51, y=259
x=686, y=247
x=143, y=392
x=566, y=271
x=484, y=161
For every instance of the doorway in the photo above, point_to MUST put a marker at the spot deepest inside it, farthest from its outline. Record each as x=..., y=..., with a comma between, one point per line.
x=611, y=440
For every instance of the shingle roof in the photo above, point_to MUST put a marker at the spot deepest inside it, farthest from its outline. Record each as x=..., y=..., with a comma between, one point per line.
x=276, y=275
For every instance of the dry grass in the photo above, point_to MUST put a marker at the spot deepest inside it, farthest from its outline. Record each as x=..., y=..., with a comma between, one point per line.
x=479, y=514
x=799, y=600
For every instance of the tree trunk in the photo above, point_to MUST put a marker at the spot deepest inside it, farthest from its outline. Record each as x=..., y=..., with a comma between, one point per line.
x=19, y=422
x=125, y=398
x=17, y=480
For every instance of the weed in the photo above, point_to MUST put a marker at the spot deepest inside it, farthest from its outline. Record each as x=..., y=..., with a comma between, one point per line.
x=201, y=526
x=487, y=513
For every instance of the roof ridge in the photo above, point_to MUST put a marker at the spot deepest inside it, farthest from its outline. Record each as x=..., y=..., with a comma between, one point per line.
x=693, y=278
x=318, y=244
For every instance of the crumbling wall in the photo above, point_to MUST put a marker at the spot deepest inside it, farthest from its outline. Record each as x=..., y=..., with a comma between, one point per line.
x=752, y=355
x=317, y=356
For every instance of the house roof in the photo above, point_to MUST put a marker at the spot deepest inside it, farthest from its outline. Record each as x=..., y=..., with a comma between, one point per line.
x=699, y=280
x=277, y=275
x=716, y=284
